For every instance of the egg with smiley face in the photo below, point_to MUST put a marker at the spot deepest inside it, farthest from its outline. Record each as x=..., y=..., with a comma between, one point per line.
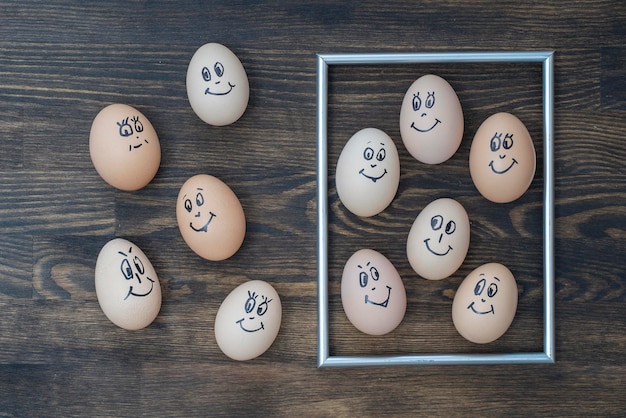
x=217, y=85
x=127, y=286
x=210, y=217
x=502, y=158
x=439, y=239
x=372, y=293
x=248, y=320
x=485, y=303
x=431, y=120
x=124, y=147
x=368, y=172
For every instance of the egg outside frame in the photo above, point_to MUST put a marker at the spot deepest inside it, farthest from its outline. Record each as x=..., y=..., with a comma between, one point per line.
x=324, y=359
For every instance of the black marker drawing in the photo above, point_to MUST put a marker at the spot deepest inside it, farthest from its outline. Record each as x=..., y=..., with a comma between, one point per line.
x=218, y=68
x=126, y=130
x=368, y=155
x=134, y=271
x=374, y=275
x=496, y=144
x=478, y=290
x=436, y=223
x=249, y=306
x=199, y=202
x=417, y=104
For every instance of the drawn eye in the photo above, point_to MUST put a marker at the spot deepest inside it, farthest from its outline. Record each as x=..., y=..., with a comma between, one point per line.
x=417, y=102
x=363, y=279
x=263, y=307
x=430, y=100
x=436, y=222
x=480, y=286
x=450, y=227
x=508, y=141
x=493, y=289
x=188, y=205
x=138, y=124
x=381, y=154
x=368, y=153
x=250, y=302
x=199, y=199
x=374, y=273
x=495, y=142
x=127, y=271
x=125, y=128
x=206, y=74
x=138, y=265
x=219, y=69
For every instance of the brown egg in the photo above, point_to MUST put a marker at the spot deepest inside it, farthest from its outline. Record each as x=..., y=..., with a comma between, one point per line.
x=127, y=286
x=210, y=217
x=431, y=120
x=372, y=293
x=485, y=303
x=502, y=158
x=124, y=147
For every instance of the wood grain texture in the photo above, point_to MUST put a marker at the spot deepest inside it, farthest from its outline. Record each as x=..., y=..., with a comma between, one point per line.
x=62, y=61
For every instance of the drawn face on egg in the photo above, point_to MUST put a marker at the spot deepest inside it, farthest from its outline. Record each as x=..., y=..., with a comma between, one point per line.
x=132, y=132
x=134, y=272
x=216, y=80
x=254, y=308
x=374, y=161
x=500, y=150
x=439, y=239
x=485, y=292
x=201, y=215
x=377, y=293
x=424, y=120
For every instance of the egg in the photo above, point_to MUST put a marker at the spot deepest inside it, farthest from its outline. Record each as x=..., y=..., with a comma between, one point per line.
x=127, y=287
x=248, y=320
x=502, y=158
x=439, y=239
x=210, y=217
x=124, y=147
x=217, y=85
x=431, y=120
x=372, y=293
x=368, y=172
x=485, y=303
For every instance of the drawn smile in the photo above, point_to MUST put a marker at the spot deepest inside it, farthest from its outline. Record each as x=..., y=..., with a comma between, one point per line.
x=240, y=322
x=208, y=91
x=383, y=304
x=130, y=291
x=437, y=121
x=435, y=252
x=503, y=171
x=131, y=147
x=471, y=306
x=206, y=225
x=374, y=179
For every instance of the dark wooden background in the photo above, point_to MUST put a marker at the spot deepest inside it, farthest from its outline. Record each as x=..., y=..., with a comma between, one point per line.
x=62, y=61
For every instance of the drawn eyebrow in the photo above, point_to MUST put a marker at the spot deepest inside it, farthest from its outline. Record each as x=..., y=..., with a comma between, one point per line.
x=359, y=266
x=199, y=188
x=496, y=278
x=124, y=254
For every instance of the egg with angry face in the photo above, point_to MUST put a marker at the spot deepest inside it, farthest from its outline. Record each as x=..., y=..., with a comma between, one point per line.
x=368, y=172
x=372, y=293
x=248, y=320
x=431, y=120
x=485, y=303
x=502, y=158
x=439, y=239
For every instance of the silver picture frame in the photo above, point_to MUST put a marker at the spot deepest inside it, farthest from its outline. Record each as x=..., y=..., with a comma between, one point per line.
x=324, y=358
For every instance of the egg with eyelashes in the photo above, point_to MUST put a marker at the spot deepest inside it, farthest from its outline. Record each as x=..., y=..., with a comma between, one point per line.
x=367, y=175
x=439, y=239
x=248, y=320
x=502, y=159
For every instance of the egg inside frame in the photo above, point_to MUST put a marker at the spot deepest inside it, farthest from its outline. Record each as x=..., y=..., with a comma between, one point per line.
x=324, y=64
